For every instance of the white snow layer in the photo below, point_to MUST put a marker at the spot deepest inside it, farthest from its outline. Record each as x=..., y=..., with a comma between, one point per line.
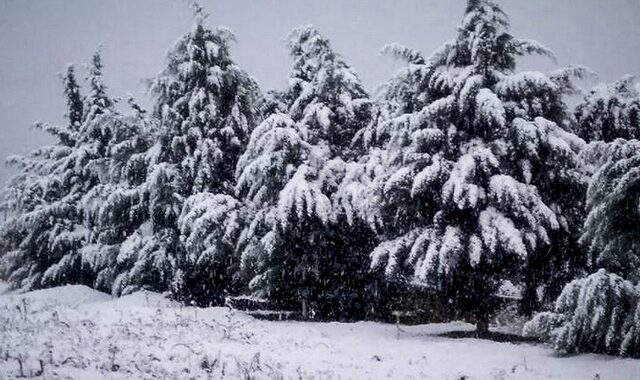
x=77, y=332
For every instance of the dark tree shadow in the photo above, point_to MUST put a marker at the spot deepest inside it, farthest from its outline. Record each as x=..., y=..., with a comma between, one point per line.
x=493, y=336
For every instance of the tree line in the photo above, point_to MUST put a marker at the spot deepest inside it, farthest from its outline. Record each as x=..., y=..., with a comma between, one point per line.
x=458, y=177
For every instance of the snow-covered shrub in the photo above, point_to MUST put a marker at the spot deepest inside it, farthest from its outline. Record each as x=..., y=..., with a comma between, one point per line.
x=598, y=313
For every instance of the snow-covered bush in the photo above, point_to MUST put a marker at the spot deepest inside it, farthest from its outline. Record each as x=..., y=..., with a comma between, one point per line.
x=598, y=313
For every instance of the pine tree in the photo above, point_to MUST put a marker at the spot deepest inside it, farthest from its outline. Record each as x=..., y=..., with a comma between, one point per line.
x=548, y=156
x=610, y=111
x=49, y=226
x=324, y=92
x=473, y=167
x=601, y=313
x=117, y=207
x=210, y=226
x=610, y=232
x=276, y=148
x=206, y=108
x=147, y=256
x=75, y=107
x=293, y=166
x=97, y=101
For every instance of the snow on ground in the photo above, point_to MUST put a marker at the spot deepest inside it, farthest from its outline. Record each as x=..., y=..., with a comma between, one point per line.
x=76, y=332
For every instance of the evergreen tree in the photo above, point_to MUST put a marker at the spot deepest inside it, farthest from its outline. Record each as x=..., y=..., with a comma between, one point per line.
x=611, y=231
x=610, y=111
x=324, y=92
x=117, y=207
x=75, y=107
x=147, y=257
x=601, y=313
x=293, y=166
x=472, y=168
x=97, y=100
x=48, y=224
x=210, y=226
x=206, y=108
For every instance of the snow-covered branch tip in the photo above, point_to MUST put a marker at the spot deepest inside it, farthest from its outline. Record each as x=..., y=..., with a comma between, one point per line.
x=404, y=53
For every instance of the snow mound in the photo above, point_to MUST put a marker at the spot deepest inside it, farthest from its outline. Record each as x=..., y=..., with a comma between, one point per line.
x=70, y=296
x=4, y=287
x=143, y=299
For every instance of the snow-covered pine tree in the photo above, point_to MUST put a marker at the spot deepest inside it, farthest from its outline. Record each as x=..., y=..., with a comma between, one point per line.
x=75, y=107
x=29, y=193
x=277, y=147
x=296, y=244
x=206, y=108
x=482, y=213
x=611, y=235
x=599, y=313
x=48, y=225
x=210, y=226
x=327, y=96
x=610, y=111
x=544, y=153
x=147, y=257
x=324, y=93
x=117, y=207
x=97, y=101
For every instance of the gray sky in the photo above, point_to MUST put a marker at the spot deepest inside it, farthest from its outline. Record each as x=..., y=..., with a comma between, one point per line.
x=38, y=38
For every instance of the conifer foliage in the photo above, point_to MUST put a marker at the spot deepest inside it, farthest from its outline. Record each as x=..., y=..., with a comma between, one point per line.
x=288, y=175
x=461, y=176
x=610, y=111
x=206, y=107
x=611, y=230
x=47, y=228
x=478, y=157
x=599, y=313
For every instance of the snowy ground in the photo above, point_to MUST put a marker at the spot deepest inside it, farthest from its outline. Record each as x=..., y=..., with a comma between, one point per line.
x=76, y=332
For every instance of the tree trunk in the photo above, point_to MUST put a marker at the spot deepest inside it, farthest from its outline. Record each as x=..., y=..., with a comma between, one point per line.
x=529, y=302
x=305, y=309
x=482, y=325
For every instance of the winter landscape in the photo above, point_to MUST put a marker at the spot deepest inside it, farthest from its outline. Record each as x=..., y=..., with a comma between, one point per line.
x=76, y=332
x=473, y=215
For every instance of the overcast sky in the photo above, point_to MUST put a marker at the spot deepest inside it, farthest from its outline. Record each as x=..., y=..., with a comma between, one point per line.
x=38, y=38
